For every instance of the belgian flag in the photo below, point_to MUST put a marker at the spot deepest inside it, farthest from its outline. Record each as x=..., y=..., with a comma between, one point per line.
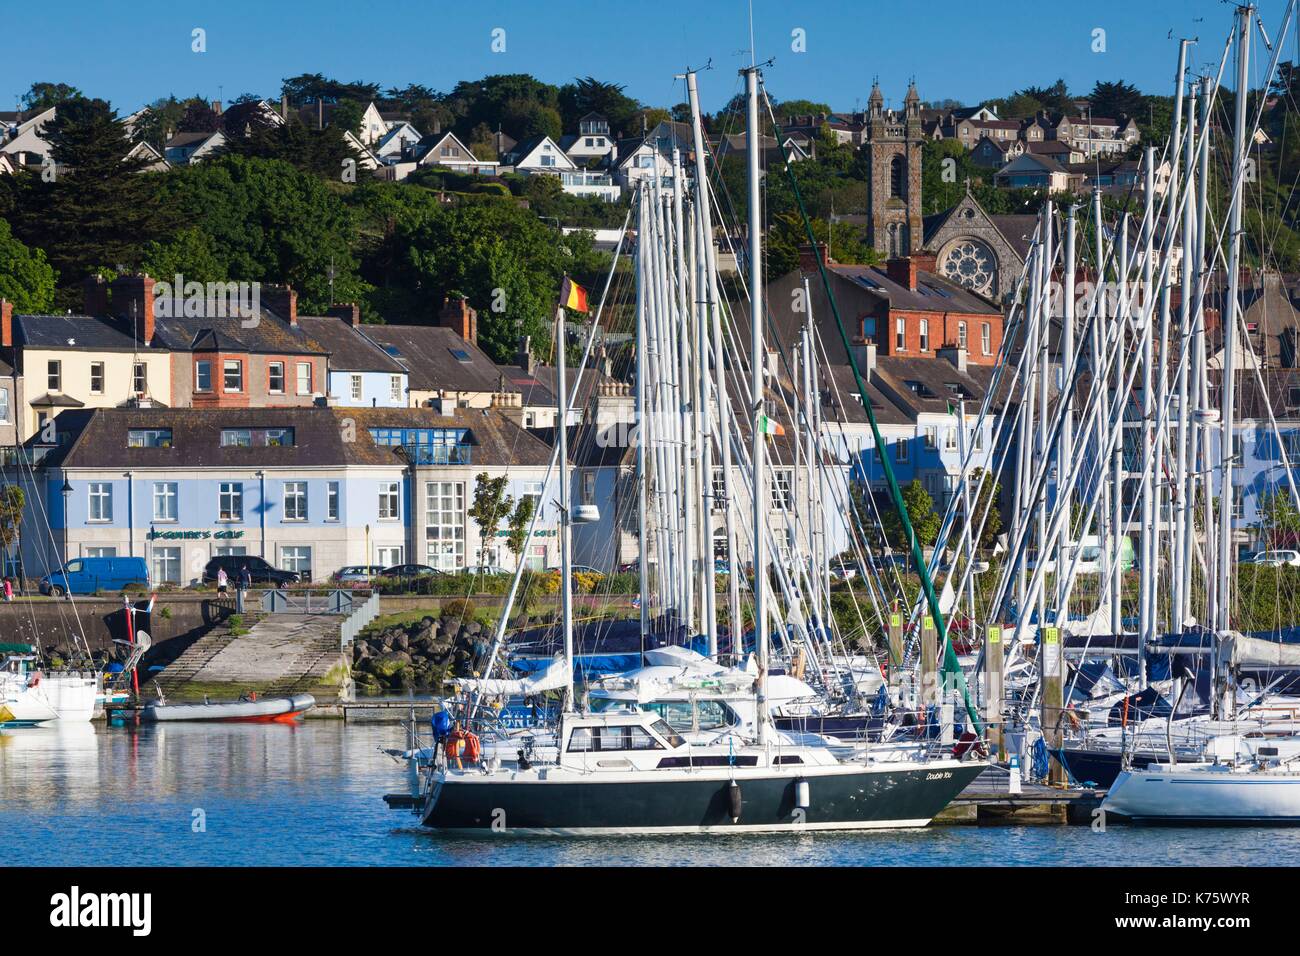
x=573, y=296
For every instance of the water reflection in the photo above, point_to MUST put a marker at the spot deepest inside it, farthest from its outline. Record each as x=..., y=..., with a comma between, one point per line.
x=309, y=794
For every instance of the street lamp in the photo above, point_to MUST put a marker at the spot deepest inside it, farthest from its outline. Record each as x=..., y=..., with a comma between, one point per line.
x=65, y=490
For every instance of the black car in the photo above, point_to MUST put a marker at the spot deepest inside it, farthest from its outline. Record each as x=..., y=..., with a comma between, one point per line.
x=409, y=571
x=261, y=571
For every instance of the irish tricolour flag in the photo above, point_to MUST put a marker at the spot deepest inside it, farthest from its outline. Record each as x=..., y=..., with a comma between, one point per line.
x=769, y=426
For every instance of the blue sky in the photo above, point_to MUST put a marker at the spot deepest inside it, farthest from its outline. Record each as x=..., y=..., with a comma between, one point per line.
x=132, y=53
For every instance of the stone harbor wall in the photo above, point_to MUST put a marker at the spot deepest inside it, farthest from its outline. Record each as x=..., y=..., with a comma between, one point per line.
x=424, y=653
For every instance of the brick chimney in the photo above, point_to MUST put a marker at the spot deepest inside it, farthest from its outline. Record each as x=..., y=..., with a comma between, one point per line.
x=903, y=271
x=6, y=323
x=349, y=312
x=283, y=301
x=216, y=107
x=94, y=293
x=808, y=256
x=524, y=358
x=457, y=314
x=133, y=300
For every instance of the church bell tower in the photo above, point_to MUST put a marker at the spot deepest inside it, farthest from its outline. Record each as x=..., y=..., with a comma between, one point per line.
x=894, y=185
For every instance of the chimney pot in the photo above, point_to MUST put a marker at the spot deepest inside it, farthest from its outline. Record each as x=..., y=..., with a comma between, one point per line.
x=6, y=323
x=133, y=299
x=283, y=301
x=95, y=295
x=903, y=271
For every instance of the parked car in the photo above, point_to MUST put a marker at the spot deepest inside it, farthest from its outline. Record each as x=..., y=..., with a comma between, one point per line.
x=843, y=571
x=357, y=573
x=1276, y=559
x=410, y=571
x=579, y=569
x=486, y=569
x=88, y=575
x=259, y=569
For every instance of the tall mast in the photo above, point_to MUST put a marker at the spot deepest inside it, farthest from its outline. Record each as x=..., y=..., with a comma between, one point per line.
x=1186, y=456
x=643, y=237
x=758, y=361
x=713, y=330
x=566, y=538
x=1228, y=385
x=1149, y=515
x=1066, y=551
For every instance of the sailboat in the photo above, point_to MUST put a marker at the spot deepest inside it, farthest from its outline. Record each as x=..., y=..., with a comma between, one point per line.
x=627, y=771
x=29, y=697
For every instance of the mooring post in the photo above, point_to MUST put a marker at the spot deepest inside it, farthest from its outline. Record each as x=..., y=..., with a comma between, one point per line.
x=1050, y=668
x=930, y=695
x=994, y=658
x=895, y=649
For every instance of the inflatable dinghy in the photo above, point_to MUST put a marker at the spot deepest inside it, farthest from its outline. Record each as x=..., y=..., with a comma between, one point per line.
x=261, y=711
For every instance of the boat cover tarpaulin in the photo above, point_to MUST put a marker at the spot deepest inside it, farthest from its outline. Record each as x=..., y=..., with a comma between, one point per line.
x=552, y=678
x=1240, y=650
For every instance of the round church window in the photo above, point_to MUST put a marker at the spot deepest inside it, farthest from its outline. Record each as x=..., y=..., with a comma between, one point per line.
x=970, y=263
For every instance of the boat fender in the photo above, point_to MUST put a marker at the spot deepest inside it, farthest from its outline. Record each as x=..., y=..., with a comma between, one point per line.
x=34, y=680
x=802, y=794
x=455, y=747
x=734, y=801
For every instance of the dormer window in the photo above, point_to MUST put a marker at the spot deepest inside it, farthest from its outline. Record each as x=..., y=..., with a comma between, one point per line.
x=149, y=438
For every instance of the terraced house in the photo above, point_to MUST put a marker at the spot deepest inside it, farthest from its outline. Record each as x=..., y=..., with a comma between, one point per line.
x=309, y=489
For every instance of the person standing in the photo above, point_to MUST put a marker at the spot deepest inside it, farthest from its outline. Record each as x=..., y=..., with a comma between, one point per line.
x=9, y=589
x=223, y=581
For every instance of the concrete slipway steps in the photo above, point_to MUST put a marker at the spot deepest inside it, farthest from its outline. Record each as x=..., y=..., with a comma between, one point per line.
x=281, y=654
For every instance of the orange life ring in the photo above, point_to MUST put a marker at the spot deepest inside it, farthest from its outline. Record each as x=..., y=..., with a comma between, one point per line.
x=472, y=748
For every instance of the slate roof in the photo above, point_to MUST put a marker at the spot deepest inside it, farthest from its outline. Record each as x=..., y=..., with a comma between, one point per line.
x=268, y=335
x=497, y=439
x=97, y=438
x=350, y=350
x=84, y=331
x=933, y=293
x=426, y=352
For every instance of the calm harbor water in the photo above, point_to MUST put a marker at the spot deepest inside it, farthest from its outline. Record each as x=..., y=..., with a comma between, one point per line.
x=310, y=795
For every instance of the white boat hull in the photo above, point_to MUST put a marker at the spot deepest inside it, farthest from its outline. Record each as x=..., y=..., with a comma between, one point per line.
x=1206, y=794
x=62, y=697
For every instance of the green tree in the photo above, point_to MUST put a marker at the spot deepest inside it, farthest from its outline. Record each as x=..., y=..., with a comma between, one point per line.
x=12, y=502
x=96, y=207
x=319, y=151
x=1113, y=100
x=41, y=96
x=519, y=521
x=491, y=504
x=590, y=95
x=26, y=279
x=1278, y=517
x=920, y=511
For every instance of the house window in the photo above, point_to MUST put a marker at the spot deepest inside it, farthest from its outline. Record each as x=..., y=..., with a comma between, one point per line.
x=978, y=434
x=96, y=378
x=1238, y=502
x=925, y=335
x=332, y=501
x=444, y=524
x=931, y=437
x=101, y=551
x=961, y=335
x=166, y=565
x=395, y=388
x=139, y=381
x=869, y=329
x=356, y=388
x=304, y=378
x=719, y=490
x=4, y=405
x=389, y=556
x=279, y=438
x=389, y=493
x=589, y=488
x=295, y=501
x=900, y=335
x=234, y=550
x=230, y=501
x=897, y=177
x=164, y=501
x=950, y=439
x=149, y=438
x=986, y=338
x=782, y=490
x=275, y=378
x=100, y=501
x=236, y=438
x=54, y=375
x=296, y=557
x=203, y=376
x=233, y=371
x=900, y=450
